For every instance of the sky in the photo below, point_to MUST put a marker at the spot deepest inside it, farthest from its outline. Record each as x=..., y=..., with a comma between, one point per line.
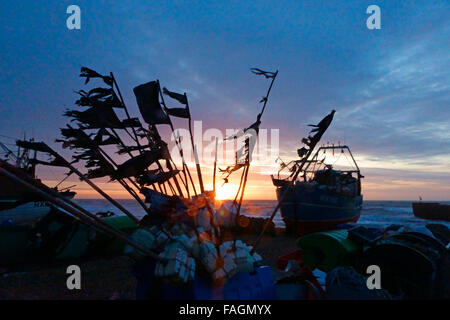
x=389, y=87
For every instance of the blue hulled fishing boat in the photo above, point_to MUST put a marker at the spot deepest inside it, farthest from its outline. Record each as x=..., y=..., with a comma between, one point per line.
x=315, y=196
x=322, y=197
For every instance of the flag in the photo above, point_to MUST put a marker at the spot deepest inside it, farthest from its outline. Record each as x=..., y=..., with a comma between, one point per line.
x=95, y=118
x=178, y=112
x=87, y=150
x=37, y=146
x=160, y=177
x=242, y=158
x=75, y=138
x=231, y=169
x=136, y=165
x=128, y=149
x=181, y=98
x=266, y=74
x=57, y=162
x=131, y=122
x=89, y=73
x=101, y=134
x=240, y=133
x=148, y=101
x=100, y=117
x=99, y=172
x=99, y=97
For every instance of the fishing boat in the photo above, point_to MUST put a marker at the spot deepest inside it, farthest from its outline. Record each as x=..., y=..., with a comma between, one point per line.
x=17, y=204
x=431, y=210
x=323, y=197
x=315, y=196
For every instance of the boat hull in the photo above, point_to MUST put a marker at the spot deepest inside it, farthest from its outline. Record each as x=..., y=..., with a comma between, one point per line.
x=431, y=210
x=307, y=209
x=63, y=241
x=26, y=213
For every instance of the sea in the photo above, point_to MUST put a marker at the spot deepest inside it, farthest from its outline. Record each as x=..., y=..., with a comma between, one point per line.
x=374, y=212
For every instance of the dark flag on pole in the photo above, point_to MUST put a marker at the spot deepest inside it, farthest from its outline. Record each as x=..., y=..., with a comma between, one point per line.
x=177, y=96
x=147, y=98
x=137, y=165
x=53, y=163
x=37, y=146
x=177, y=112
x=98, y=117
x=266, y=74
x=160, y=177
x=242, y=158
x=89, y=73
x=100, y=140
x=99, y=97
x=254, y=127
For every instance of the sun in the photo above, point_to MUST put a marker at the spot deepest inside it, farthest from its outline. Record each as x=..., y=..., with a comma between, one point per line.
x=227, y=191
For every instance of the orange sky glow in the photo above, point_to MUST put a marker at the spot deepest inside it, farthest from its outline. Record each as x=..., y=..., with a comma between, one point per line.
x=260, y=187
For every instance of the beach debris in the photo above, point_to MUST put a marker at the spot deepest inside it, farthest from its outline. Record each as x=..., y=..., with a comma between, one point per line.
x=145, y=238
x=327, y=250
x=344, y=283
x=186, y=249
x=176, y=265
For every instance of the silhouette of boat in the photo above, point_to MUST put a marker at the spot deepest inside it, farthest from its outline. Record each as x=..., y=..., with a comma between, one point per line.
x=431, y=210
x=17, y=204
x=322, y=197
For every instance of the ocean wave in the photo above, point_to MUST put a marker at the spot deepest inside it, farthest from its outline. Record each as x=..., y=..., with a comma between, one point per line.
x=373, y=212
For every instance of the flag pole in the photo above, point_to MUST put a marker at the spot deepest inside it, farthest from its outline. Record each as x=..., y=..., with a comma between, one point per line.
x=123, y=183
x=266, y=98
x=178, y=141
x=125, y=108
x=136, y=138
x=247, y=167
x=88, y=181
x=192, y=141
x=186, y=183
x=173, y=132
x=95, y=187
x=214, y=170
x=199, y=171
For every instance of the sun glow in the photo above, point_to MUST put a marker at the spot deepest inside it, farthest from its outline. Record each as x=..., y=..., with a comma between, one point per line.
x=227, y=191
